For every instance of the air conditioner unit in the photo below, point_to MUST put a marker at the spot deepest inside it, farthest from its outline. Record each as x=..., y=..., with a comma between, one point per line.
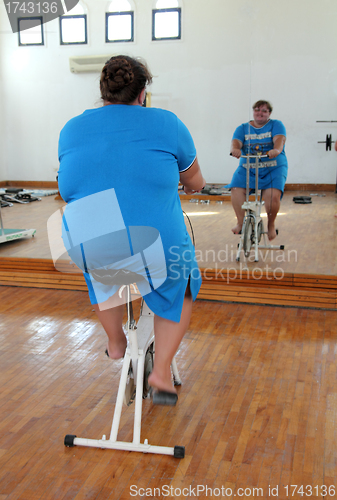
x=87, y=64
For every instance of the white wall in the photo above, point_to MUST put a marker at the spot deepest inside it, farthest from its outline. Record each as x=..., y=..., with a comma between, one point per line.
x=233, y=52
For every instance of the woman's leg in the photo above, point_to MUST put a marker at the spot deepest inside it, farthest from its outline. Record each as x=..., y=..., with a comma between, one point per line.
x=112, y=321
x=168, y=336
x=238, y=196
x=272, y=202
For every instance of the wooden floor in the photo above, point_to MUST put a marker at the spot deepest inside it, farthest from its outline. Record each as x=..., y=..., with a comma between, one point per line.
x=257, y=408
x=304, y=274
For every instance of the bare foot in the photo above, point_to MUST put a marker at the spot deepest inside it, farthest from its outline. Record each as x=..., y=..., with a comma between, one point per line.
x=271, y=232
x=237, y=229
x=162, y=384
x=116, y=348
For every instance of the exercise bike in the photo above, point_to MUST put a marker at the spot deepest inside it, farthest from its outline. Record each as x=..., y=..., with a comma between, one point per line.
x=67, y=235
x=253, y=229
x=133, y=385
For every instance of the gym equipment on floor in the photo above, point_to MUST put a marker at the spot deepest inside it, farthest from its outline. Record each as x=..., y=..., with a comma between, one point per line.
x=13, y=234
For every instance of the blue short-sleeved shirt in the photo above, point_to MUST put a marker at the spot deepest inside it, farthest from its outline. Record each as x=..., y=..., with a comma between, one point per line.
x=134, y=155
x=260, y=139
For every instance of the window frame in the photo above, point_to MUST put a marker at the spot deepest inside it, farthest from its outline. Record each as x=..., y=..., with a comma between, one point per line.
x=122, y=13
x=75, y=16
x=169, y=9
x=42, y=34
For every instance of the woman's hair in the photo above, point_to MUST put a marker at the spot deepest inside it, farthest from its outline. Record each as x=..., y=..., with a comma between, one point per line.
x=123, y=78
x=258, y=104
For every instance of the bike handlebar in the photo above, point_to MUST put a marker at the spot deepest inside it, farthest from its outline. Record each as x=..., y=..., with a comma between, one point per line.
x=251, y=156
x=254, y=156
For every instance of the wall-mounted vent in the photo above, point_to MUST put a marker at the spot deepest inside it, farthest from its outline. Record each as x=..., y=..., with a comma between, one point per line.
x=87, y=64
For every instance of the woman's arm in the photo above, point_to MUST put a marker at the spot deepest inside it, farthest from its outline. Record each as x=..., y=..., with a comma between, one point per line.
x=236, y=146
x=279, y=142
x=192, y=179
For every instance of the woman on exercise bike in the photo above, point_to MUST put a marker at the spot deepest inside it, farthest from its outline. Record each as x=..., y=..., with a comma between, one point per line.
x=139, y=154
x=265, y=136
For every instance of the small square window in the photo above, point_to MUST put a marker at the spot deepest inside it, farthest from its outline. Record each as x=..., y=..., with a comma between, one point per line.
x=73, y=30
x=166, y=24
x=30, y=31
x=119, y=27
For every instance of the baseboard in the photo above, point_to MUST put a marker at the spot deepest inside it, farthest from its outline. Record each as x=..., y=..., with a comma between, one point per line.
x=286, y=289
x=30, y=184
x=288, y=187
x=310, y=187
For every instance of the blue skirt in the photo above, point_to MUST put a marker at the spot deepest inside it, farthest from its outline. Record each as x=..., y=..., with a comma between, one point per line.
x=100, y=244
x=269, y=177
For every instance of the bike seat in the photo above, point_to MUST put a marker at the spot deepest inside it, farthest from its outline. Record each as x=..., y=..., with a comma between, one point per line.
x=118, y=277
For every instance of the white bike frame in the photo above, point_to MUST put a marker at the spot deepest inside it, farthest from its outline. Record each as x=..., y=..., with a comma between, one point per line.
x=253, y=215
x=140, y=339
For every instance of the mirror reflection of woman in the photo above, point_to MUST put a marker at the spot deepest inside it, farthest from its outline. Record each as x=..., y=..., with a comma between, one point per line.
x=268, y=137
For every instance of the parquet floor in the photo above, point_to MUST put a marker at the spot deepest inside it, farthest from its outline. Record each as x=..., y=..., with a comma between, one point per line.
x=257, y=409
x=309, y=233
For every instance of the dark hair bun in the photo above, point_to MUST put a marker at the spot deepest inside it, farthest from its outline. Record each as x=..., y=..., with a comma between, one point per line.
x=119, y=73
x=123, y=78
